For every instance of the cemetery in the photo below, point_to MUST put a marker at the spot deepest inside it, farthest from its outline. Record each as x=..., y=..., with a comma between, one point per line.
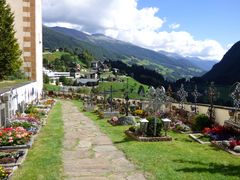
x=162, y=113
x=154, y=123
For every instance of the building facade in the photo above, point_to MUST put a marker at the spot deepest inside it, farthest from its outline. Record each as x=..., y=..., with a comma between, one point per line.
x=28, y=27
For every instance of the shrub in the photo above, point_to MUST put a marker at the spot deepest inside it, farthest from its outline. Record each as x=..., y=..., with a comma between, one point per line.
x=150, y=127
x=200, y=122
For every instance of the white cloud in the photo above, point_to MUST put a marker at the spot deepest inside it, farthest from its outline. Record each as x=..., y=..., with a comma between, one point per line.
x=121, y=19
x=174, y=26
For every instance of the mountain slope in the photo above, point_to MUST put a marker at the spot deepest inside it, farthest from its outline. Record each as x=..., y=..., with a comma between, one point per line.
x=53, y=39
x=205, y=65
x=227, y=70
x=103, y=47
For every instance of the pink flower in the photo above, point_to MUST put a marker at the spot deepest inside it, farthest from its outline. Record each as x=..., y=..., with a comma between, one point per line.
x=10, y=139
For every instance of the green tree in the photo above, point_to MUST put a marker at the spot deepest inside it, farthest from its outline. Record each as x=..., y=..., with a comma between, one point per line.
x=87, y=57
x=10, y=53
x=46, y=79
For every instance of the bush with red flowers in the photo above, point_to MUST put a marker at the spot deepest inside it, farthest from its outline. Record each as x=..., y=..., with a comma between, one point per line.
x=219, y=133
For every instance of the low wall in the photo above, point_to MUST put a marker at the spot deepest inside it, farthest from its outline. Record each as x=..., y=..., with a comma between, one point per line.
x=14, y=99
x=221, y=112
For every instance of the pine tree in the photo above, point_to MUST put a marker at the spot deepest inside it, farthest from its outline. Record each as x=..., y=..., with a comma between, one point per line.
x=10, y=53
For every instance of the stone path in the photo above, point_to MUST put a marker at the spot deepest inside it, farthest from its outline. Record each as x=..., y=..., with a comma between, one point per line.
x=89, y=154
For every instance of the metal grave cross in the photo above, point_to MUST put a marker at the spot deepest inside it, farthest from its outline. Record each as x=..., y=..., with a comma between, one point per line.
x=235, y=95
x=195, y=95
x=182, y=94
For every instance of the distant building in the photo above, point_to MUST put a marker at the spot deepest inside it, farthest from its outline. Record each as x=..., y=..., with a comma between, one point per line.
x=99, y=66
x=54, y=76
x=93, y=74
x=28, y=27
x=86, y=82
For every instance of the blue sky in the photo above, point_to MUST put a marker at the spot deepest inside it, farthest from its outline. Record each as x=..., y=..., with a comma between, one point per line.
x=204, y=19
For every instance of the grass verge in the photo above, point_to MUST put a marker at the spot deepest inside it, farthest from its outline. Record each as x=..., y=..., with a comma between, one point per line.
x=44, y=159
x=182, y=158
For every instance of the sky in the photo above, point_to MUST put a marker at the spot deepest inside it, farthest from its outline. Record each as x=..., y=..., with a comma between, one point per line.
x=198, y=28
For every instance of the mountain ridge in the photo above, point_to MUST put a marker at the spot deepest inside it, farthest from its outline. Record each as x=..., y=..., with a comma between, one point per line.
x=227, y=70
x=104, y=47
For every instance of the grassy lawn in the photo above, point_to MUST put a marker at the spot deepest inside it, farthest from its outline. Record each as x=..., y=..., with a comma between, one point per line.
x=120, y=87
x=8, y=84
x=182, y=158
x=49, y=87
x=54, y=55
x=44, y=158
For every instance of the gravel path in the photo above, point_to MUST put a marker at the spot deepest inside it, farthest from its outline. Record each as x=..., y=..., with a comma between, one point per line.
x=89, y=154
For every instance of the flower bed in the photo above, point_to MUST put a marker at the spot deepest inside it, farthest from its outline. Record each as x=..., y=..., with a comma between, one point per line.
x=4, y=172
x=124, y=120
x=179, y=126
x=10, y=158
x=228, y=146
x=14, y=137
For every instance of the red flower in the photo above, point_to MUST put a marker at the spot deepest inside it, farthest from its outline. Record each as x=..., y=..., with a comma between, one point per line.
x=233, y=143
x=206, y=130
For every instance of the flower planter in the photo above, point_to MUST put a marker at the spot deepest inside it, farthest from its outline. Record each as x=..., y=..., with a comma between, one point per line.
x=147, y=139
x=24, y=146
x=221, y=146
x=19, y=160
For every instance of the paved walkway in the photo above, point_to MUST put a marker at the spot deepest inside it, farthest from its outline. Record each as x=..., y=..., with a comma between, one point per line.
x=89, y=154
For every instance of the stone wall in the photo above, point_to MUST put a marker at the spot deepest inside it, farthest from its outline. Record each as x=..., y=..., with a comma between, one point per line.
x=221, y=112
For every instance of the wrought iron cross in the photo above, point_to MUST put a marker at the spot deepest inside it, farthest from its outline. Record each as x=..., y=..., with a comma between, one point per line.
x=236, y=96
x=104, y=93
x=195, y=95
x=182, y=94
x=212, y=95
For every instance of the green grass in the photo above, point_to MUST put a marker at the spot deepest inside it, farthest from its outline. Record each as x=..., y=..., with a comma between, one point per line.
x=120, y=87
x=44, y=158
x=57, y=55
x=54, y=55
x=49, y=87
x=182, y=158
x=8, y=84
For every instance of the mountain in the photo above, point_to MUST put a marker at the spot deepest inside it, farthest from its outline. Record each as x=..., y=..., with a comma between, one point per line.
x=227, y=70
x=103, y=47
x=205, y=65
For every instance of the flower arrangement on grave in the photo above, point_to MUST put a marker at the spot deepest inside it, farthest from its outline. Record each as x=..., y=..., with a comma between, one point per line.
x=27, y=118
x=14, y=136
x=100, y=115
x=3, y=173
x=29, y=126
x=10, y=156
x=179, y=126
x=113, y=120
x=219, y=133
x=141, y=113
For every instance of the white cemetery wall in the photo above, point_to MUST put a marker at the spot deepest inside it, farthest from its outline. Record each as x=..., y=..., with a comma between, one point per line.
x=22, y=95
x=221, y=112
